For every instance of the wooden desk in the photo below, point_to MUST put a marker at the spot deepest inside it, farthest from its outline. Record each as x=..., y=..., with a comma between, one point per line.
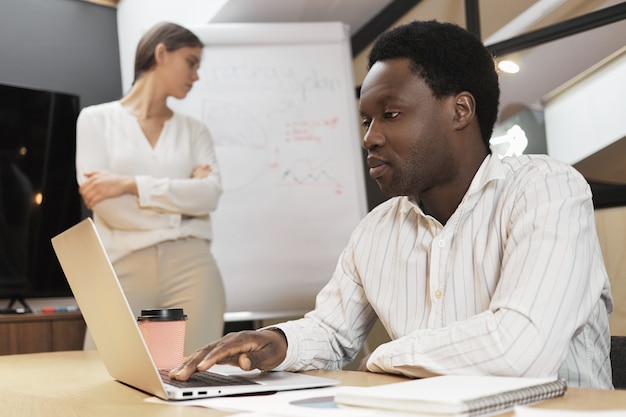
x=76, y=383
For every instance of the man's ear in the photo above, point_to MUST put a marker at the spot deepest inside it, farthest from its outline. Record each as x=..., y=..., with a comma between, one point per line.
x=464, y=110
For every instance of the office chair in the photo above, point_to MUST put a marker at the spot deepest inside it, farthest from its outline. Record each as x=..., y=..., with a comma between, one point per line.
x=618, y=361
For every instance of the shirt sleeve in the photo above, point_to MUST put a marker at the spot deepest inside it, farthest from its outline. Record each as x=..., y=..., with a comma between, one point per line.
x=330, y=336
x=551, y=282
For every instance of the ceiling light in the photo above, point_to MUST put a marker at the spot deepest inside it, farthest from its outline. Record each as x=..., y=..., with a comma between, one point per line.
x=508, y=66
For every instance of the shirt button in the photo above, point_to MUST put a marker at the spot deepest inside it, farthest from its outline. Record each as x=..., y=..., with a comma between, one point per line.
x=438, y=294
x=441, y=243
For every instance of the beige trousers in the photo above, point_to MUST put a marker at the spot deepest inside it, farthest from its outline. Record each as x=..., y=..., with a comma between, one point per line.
x=176, y=274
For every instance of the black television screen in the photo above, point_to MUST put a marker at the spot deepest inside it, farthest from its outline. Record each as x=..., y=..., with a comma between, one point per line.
x=38, y=191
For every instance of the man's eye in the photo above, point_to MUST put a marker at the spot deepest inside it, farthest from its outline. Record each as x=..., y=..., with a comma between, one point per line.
x=391, y=114
x=366, y=123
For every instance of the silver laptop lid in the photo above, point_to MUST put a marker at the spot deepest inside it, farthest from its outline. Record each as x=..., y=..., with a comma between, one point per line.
x=105, y=309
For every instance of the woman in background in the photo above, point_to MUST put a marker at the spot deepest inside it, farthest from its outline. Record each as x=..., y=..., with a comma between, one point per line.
x=151, y=178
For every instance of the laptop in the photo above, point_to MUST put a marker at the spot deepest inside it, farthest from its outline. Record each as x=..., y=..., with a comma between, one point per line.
x=120, y=344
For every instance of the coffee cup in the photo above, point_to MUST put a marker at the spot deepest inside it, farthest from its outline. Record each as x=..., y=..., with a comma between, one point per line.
x=163, y=330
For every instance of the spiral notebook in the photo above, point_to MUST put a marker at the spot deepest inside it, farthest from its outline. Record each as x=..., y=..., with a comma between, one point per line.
x=453, y=395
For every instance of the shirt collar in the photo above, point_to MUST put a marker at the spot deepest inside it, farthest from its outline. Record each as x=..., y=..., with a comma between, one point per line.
x=491, y=169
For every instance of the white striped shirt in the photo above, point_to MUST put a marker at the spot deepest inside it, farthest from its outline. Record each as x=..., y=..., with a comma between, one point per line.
x=513, y=284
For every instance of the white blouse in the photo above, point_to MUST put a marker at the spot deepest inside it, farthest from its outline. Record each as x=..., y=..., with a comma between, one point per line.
x=513, y=284
x=170, y=205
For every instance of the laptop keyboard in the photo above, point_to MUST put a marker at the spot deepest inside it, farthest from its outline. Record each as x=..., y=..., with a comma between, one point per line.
x=206, y=379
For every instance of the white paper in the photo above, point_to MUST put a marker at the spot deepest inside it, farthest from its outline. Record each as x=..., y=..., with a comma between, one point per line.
x=539, y=412
x=298, y=403
x=319, y=401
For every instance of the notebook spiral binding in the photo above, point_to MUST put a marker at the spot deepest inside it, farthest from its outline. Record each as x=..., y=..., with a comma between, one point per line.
x=509, y=399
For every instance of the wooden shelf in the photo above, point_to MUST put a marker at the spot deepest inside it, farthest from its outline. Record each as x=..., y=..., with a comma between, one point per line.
x=41, y=332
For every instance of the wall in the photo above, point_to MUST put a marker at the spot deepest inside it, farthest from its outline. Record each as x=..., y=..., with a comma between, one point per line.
x=61, y=45
x=611, y=224
x=137, y=16
x=586, y=115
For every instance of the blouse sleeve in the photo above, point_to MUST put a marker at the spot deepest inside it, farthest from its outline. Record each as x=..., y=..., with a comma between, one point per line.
x=186, y=196
x=162, y=202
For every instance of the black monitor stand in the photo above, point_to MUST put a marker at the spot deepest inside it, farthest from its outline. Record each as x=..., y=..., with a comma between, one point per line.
x=16, y=310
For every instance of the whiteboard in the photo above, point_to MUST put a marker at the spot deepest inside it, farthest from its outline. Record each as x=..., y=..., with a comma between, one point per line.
x=280, y=103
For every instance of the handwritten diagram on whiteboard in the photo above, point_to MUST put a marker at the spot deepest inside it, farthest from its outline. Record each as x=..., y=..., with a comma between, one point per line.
x=284, y=121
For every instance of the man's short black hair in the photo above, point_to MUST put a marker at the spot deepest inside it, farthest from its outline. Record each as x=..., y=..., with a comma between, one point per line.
x=450, y=60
